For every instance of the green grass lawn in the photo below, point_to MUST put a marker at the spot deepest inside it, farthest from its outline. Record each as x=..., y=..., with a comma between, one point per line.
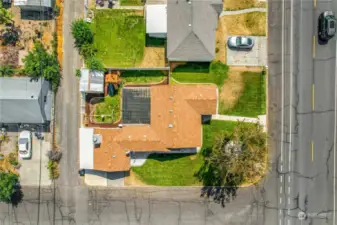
x=119, y=37
x=142, y=76
x=131, y=2
x=252, y=101
x=110, y=108
x=180, y=169
x=215, y=73
x=170, y=169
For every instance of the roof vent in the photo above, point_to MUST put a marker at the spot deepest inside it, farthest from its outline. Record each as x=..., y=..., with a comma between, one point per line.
x=171, y=111
x=171, y=97
x=32, y=96
x=120, y=125
x=97, y=139
x=189, y=1
x=189, y=25
x=113, y=156
x=129, y=137
x=170, y=125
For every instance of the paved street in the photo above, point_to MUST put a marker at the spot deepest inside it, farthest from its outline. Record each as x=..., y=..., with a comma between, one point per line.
x=301, y=115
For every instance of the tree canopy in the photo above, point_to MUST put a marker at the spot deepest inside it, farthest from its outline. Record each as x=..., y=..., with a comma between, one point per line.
x=94, y=63
x=6, y=70
x=39, y=63
x=236, y=157
x=82, y=33
x=8, y=183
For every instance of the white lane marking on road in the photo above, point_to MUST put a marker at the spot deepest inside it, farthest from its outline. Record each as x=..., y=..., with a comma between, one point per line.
x=281, y=189
x=280, y=212
x=288, y=221
x=289, y=179
x=281, y=168
x=334, y=154
x=288, y=190
x=282, y=82
x=288, y=202
x=281, y=179
x=280, y=200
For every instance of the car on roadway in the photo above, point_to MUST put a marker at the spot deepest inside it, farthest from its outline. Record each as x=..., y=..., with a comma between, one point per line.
x=25, y=144
x=326, y=26
x=240, y=42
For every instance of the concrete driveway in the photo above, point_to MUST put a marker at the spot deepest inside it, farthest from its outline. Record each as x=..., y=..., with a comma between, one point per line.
x=104, y=179
x=34, y=172
x=255, y=57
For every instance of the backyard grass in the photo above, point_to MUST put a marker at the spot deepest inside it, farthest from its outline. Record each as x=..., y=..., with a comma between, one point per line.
x=231, y=5
x=108, y=110
x=170, y=169
x=252, y=101
x=131, y=2
x=250, y=24
x=119, y=37
x=215, y=73
x=142, y=76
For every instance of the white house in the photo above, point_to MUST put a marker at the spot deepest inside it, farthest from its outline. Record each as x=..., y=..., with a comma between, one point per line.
x=156, y=20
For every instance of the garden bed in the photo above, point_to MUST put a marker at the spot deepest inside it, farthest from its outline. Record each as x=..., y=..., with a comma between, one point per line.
x=108, y=109
x=119, y=37
x=142, y=76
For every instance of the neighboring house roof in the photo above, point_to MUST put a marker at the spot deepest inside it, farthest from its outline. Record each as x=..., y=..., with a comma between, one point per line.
x=23, y=100
x=175, y=123
x=91, y=81
x=36, y=3
x=156, y=18
x=191, y=29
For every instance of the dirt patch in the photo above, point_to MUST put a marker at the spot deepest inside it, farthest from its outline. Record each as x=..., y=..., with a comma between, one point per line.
x=231, y=5
x=251, y=24
x=231, y=90
x=133, y=180
x=221, y=41
x=153, y=57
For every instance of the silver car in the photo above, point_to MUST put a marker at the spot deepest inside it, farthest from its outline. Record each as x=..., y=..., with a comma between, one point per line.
x=240, y=42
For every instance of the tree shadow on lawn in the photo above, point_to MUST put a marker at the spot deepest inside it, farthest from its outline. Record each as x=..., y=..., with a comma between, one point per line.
x=214, y=187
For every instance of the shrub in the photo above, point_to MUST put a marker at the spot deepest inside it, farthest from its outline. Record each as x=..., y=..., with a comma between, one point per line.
x=78, y=73
x=54, y=155
x=10, y=36
x=13, y=159
x=54, y=171
x=56, y=10
x=6, y=71
x=82, y=33
x=94, y=63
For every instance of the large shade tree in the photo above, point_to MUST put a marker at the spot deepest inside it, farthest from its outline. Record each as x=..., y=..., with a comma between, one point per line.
x=8, y=184
x=82, y=33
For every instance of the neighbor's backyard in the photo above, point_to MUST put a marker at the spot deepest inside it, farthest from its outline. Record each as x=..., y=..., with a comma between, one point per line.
x=180, y=169
x=119, y=37
x=108, y=110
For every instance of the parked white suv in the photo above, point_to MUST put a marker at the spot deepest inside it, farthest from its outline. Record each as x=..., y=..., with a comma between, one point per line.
x=25, y=144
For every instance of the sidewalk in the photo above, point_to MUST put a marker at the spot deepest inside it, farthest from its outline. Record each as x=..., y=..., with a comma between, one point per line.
x=236, y=12
x=260, y=119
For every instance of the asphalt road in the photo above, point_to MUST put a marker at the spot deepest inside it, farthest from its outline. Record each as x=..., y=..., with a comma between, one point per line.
x=301, y=115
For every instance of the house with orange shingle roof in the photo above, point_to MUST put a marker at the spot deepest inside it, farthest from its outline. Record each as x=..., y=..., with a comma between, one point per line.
x=163, y=118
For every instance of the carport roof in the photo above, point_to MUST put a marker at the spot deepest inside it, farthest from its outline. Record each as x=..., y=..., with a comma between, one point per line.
x=175, y=123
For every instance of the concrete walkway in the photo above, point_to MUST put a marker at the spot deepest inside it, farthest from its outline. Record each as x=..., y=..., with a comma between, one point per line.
x=237, y=12
x=260, y=119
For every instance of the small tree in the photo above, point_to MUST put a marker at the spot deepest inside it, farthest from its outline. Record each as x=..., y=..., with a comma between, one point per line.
x=94, y=63
x=5, y=15
x=6, y=71
x=8, y=183
x=10, y=36
x=39, y=63
x=78, y=73
x=82, y=33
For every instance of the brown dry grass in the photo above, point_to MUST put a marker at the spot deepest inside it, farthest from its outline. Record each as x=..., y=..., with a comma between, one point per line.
x=250, y=24
x=6, y=166
x=153, y=57
x=59, y=32
x=232, y=89
x=221, y=40
x=231, y=5
x=133, y=180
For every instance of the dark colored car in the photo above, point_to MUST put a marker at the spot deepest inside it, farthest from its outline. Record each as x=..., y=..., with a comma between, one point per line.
x=326, y=26
x=240, y=42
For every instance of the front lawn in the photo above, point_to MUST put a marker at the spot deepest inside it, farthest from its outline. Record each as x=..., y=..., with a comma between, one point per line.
x=252, y=101
x=108, y=110
x=170, y=169
x=232, y=5
x=215, y=73
x=247, y=24
x=142, y=76
x=180, y=169
x=131, y=2
x=119, y=37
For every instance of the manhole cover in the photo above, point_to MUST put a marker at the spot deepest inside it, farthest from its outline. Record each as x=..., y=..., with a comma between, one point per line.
x=302, y=216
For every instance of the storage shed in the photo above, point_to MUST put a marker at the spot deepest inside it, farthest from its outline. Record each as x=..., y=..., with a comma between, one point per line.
x=91, y=81
x=156, y=20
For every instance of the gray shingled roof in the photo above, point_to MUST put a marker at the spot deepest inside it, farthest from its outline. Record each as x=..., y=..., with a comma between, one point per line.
x=191, y=29
x=23, y=100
